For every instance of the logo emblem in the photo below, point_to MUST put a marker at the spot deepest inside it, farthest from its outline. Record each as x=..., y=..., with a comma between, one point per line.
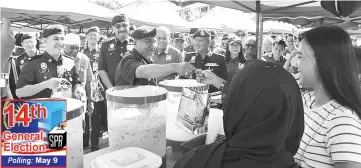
x=168, y=58
x=111, y=46
x=22, y=62
x=193, y=59
x=202, y=33
x=240, y=66
x=43, y=65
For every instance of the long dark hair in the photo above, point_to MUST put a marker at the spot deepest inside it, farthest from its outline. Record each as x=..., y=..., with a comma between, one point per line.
x=240, y=55
x=335, y=59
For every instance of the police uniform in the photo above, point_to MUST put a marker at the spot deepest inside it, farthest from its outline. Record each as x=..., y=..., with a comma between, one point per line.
x=44, y=67
x=125, y=73
x=212, y=61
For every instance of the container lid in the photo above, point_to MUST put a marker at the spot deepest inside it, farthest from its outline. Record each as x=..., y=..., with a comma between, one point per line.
x=74, y=108
x=130, y=157
x=177, y=85
x=136, y=94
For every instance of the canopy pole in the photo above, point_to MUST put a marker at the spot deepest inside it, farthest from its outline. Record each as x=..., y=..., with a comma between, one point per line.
x=258, y=11
x=260, y=37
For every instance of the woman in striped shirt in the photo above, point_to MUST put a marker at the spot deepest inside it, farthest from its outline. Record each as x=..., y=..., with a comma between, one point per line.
x=332, y=135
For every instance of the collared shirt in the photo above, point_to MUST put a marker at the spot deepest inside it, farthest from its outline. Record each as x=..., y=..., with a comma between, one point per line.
x=169, y=55
x=332, y=134
x=125, y=73
x=233, y=66
x=44, y=67
x=269, y=58
x=189, y=49
x=111, y=53
x=93, y=56
x=212, y=61
x=23, y=59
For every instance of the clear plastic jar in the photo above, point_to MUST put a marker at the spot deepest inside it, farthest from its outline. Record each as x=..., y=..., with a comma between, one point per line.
x=74, y=133
x=137, y=118
x=175, y=88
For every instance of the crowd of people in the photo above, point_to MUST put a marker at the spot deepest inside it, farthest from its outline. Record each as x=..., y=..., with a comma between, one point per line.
x=268, y=120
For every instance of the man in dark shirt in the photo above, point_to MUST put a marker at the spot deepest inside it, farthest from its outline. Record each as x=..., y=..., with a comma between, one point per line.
x=113, y=51
x=204, y=59
x=46, y=71
x=276, y=56
x=137, y=69
x=17, y=62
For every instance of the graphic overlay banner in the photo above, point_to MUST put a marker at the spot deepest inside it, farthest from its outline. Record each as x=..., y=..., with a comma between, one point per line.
x=33, y=133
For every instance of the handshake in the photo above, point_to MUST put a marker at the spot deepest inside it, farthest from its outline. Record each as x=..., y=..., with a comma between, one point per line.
x=203, y=76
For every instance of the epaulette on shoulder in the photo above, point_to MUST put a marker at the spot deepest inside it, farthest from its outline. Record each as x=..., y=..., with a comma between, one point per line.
x=218, y=55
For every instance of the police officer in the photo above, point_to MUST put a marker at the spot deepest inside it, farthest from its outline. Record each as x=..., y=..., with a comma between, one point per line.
x=190, y=47
x=204, y=59
x=28, y=42
x=98, y=117
x=112, y=52
x=46, y=71
x=136, y=67
x=213, y=46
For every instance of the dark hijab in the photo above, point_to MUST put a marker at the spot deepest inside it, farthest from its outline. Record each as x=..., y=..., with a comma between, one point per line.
x=263, y=122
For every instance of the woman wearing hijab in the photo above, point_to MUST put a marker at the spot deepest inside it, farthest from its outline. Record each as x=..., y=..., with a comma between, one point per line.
x=263, y=121
x=332, y=137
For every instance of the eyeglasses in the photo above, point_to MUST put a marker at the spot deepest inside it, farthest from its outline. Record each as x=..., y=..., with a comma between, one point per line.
x=179, y=40
x=118, y=26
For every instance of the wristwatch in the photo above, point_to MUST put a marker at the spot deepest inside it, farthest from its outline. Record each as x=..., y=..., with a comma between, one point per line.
x=222, y=86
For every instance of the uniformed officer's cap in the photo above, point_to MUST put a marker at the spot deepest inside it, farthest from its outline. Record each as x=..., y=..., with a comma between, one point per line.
x=234, y=39
x=119, y=18
x=193, y=30
x=179, y=36
x=212, y=32
x=143, y=32
x=201, y=33
x=225, y=37
x=72, y=39
x=53, y=29
x=93, y=29
x=27, y=36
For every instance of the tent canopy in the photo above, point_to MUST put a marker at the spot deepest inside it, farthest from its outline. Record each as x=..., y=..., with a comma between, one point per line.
x=86, y=14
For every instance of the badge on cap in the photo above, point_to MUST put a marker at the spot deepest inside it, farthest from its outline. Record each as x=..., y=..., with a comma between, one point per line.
x=43, y=65
x=168, y=58
x=22, y=61
x=193, y=59
x=202, y=33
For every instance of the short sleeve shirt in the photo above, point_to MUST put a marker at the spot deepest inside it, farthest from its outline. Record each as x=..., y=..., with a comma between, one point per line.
x=42, y=68
x=212, y=61
x=170, y=55
x=93, y=57
x=111, y=53
x=332, y=134
x=233, y=66
x=125, y=72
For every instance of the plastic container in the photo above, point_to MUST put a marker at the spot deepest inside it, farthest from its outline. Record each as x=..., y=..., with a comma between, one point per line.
x=74, y=133
x=137, y=118
x=175, y=88
x=128, y=158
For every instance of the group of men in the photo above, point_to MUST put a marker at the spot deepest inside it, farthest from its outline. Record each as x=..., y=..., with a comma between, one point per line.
x=145, y=58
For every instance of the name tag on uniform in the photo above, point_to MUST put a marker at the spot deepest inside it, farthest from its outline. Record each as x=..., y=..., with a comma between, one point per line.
x=2, y=82
x=95, y=66
x=111, y=47
x=212, y=64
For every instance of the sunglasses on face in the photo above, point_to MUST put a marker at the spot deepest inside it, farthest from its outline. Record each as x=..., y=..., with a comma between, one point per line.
x=118, y=26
